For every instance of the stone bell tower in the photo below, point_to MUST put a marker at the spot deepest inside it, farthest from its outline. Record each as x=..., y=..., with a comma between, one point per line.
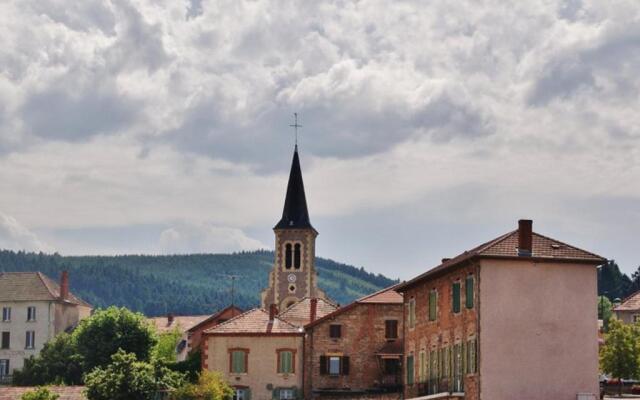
x=294, y=275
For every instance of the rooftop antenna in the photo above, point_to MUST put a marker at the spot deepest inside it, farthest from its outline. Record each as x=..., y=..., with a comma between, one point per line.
x=295, y=126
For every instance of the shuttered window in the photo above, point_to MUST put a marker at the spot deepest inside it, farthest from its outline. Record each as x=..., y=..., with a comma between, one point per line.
x=472, y=356
x=469, y=291
x=411, y=318
x=456, y=297
x=422, y=367
x=334, y=365
x=409, y=370
x=433, y=304
x=391, y=329
x=239, y=360
x=6, y=340
x=285, y=362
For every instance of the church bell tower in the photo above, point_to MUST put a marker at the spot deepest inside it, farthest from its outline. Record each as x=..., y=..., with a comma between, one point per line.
x=293, y=276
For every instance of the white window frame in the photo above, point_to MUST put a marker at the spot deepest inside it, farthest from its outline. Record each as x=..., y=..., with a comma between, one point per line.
x=6, y=314
x=286, y=394
x=339, y=361
x=240, y=394
x=30, y=342
x=31, y=314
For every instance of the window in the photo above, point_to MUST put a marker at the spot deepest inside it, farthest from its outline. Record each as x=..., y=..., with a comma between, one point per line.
x=455, y=292
x=238, y=360
x=410, y=370
x=433, y=304
x=422, y=367
x=391, y=329
x=6, y=314
x=433, y=366
x=457, y=367
x=391, y=366
x=241, y=394
x=6, y=340
x=287, y=256
x=411, y=319
x=296, y=256
x=31, y=314
x=286, y=394
x=471, y=356
x=334, y=365
x=335, y=331
x=469, y=292
x=4, y=368
x=30, y=341
x=286, y=362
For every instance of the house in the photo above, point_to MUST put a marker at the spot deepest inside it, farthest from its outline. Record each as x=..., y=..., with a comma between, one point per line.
x=356, y=349
x=179, y=324
x=307, y=310
x=34, y=310
x=259, y=354
x=628, y=311
x=514, y=318
x=194, y=334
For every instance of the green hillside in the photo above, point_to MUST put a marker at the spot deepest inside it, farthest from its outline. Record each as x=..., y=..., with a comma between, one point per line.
x=183, y=284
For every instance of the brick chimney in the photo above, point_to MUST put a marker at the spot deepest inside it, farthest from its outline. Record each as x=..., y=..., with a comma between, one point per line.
x=64, y=285
x=170, y=319
x=273, y=311
x=314, y=309
x=525, y=237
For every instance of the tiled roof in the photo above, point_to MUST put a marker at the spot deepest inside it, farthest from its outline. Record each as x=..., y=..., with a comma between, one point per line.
x=182, y=322
x=631, y=303
x=384, y=296
x=65, y=392
x=32, y=286
x=299, y=314
x=234, y=309
x=255, y=321
x=506, y=246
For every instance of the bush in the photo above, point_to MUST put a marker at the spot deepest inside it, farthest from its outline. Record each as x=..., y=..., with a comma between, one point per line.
x=210, y=386
x=39, y=394
x=58, y=363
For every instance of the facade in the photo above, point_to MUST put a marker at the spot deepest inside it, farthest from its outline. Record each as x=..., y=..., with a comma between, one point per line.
x=356, y=349
x=499, y=322
x=259, y=354
x=629, y=310
x=294, y=274
x=34, y=310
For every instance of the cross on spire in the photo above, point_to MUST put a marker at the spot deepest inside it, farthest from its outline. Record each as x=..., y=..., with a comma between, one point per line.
x=295, y=126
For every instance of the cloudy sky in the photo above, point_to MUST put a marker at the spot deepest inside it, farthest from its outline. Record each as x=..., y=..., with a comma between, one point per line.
x=161, y=126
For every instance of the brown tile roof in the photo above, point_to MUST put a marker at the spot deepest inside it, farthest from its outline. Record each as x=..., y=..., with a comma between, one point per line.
x=181, y=322
x=631, y=303
x=32, y=286
x=384, y=296
x=215, y=316
x=299, y=314
x=255, y=321
x=65, y=392
x=506, y=247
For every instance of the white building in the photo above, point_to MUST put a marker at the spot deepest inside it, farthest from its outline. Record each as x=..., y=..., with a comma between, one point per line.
x=34, y=309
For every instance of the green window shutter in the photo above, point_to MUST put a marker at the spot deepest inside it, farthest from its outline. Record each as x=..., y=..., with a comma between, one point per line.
x=275, y=394
x=238, y=362
x=409, y=370
x=456, y=297
x=469, y=291
x=433, y=305
x=247, y=392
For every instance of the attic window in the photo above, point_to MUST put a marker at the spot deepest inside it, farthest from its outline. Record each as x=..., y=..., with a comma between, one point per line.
x=555, y=246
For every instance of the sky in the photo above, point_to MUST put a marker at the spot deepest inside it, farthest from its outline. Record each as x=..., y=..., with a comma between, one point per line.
x=162, y=126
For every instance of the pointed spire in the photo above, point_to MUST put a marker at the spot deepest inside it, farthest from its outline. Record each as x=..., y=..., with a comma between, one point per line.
x=295, y=214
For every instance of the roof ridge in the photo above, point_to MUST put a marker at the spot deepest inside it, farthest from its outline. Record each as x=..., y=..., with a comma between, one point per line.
x=479, y=249
x=234, y=318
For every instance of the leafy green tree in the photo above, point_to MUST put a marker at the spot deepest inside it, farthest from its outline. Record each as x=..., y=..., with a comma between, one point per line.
x=126, y=378
x=41, y=393
x=620, y=355
x=210, y=386
x=605, y=310
x=57, y=363
x=98, y=338
x=190, y=367
x=165, y=349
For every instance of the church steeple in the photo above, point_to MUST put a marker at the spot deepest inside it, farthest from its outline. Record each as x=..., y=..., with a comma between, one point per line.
x=295, y=214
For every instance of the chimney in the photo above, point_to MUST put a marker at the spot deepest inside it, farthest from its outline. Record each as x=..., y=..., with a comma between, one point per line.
x=64, y=286
x=273, y=311
x=444, y=260
x=314, y=309
x=170, y=319
x=525, y=241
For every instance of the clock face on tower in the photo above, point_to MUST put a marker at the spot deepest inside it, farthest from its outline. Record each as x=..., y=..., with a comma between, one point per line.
x=291, y=278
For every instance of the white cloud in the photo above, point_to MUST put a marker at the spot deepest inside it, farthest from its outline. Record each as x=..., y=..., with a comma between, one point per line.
x=15, y=236
x=205, y=238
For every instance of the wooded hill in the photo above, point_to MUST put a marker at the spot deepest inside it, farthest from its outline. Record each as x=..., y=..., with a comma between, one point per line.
x=183, y=284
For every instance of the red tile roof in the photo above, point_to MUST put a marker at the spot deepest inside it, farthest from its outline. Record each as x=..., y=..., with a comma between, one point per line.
x=65, y=392
x=215, y=316
x=32, y=286
x=299, y=314
x=180, y=322
x=506, y=247
x=254, y=322
x=631, y=303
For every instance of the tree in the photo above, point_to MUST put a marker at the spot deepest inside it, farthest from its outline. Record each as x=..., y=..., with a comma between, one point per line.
x=98, y=338
x=39, y=394
x=612, y=282
x=165, y=349
x=605, y=310
x=620, y=355
x=126, y=378
x=210, y=386
x=57, y=363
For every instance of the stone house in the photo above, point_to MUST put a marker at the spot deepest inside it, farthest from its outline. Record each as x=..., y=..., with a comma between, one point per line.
x=628, y=311
x=34, y=310
x=357, y=349
x=514, y=318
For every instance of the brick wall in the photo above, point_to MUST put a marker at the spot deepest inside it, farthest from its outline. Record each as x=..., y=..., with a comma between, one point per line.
x=363, y=334
x=447, y=330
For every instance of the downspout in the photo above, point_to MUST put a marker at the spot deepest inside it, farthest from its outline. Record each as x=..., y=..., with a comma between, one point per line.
x=404, y=341
x=478, y=336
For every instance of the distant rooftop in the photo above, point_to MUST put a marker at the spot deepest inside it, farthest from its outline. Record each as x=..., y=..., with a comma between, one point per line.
x=32, y=286
x=255, y=322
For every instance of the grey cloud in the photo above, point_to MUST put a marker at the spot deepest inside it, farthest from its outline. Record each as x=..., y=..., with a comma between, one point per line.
x=194, y=9
x=77, y=15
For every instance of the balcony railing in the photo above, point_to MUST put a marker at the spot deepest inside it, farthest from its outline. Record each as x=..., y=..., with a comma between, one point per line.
x=441, y=385
x=5, y=379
